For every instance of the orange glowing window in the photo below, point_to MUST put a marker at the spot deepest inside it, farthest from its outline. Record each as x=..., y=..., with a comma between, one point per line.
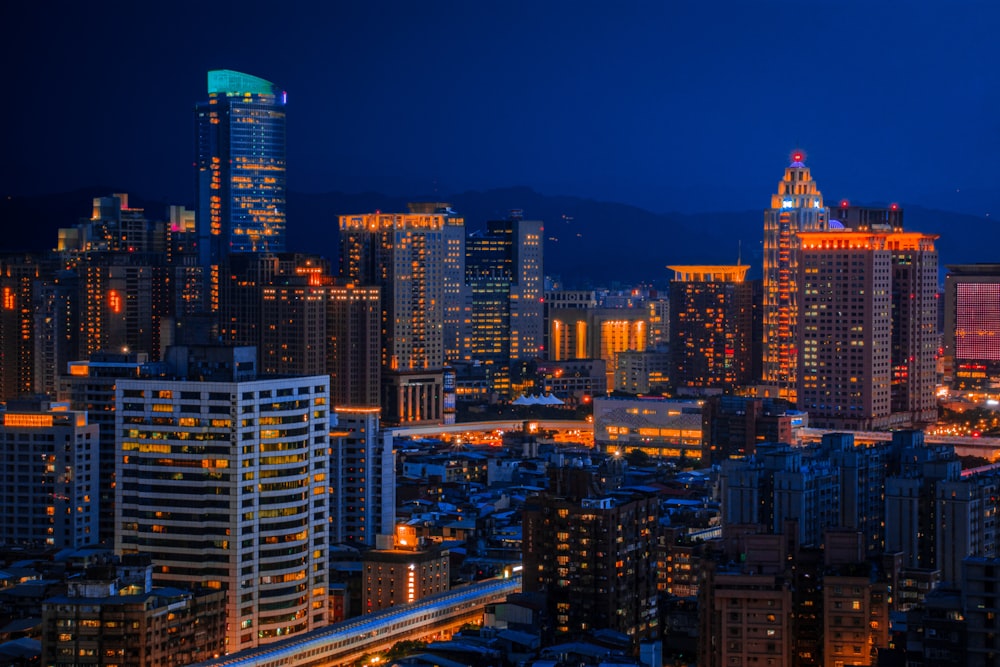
x=115, y=301
x=8, y=298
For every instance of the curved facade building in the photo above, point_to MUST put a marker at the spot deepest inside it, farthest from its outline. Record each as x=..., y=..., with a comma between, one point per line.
x=223, y=482
x=240, y=149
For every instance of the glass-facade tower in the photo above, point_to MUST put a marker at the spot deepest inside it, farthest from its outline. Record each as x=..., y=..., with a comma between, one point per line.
x=240, y=149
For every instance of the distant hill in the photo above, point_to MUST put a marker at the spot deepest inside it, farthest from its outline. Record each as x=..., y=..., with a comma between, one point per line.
x=587, y=241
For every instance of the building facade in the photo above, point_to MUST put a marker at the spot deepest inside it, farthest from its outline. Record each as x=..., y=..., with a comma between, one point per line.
x=353, y=335
x=594, y=558
x=867, y=341
x=796, y=207
x=710, y=320
x=49, y=464
x=971, y=318
x=222, y=479
x=112, y=615
x=240, y=161
x=363, y=478
x=504, y=275
x=403, y=255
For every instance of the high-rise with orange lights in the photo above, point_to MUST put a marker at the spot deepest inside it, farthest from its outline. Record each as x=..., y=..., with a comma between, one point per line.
x=867, y=335
x=403, y=254
x=710, y=319
x=240, y=153
x=796, y=207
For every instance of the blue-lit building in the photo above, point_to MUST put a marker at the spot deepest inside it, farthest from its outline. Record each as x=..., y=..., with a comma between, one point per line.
x=240, y=153
x=503, y=269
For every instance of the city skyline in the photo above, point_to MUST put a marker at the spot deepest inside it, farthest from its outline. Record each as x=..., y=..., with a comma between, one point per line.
x=667, y=108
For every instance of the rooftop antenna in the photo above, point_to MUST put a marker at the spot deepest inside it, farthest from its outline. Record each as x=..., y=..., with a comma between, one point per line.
x=739, y=252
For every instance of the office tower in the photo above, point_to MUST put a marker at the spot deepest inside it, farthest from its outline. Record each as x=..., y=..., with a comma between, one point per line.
x=221, y=478
x=866, y=218
x=971, y=320
x=114, y=226
x=852, y=329
x=403, y=255
x=112, y=615
x=915, y=337
x=89, y=386
x=18, y=273
x=240, y=153
x=353, y=321
x=457, y=299
x=49, y=461
x=593, y=555
x=276, y=302
x=504, y=274
x=362, y=479
x=293, y=337
x=710, y=320
x=796, y=207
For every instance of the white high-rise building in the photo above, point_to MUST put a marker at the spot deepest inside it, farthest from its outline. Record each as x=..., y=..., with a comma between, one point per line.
x=222, y=478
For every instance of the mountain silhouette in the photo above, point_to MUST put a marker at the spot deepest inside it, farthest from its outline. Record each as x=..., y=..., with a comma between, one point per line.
x=588, y=242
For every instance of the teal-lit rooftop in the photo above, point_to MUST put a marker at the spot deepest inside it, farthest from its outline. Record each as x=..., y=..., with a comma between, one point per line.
x=229, y=82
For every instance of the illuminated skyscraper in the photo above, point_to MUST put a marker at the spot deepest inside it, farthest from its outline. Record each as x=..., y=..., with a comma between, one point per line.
x=710, y=318
x=403, y=254
x=18, y=273
x=867, y=336
x=796, y=207
x=353, y=345
x=971, y=324
x=504, y=273
x=457, y=305
x=221, y=477
x=241, y=169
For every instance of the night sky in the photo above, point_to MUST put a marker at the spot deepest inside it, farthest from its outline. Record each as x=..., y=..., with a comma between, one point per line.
x=667, y=104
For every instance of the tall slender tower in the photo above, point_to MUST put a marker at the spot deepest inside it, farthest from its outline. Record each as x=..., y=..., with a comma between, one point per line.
x=240, y=134
x=403, y=254
x=504, y=273
x=796, y=207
